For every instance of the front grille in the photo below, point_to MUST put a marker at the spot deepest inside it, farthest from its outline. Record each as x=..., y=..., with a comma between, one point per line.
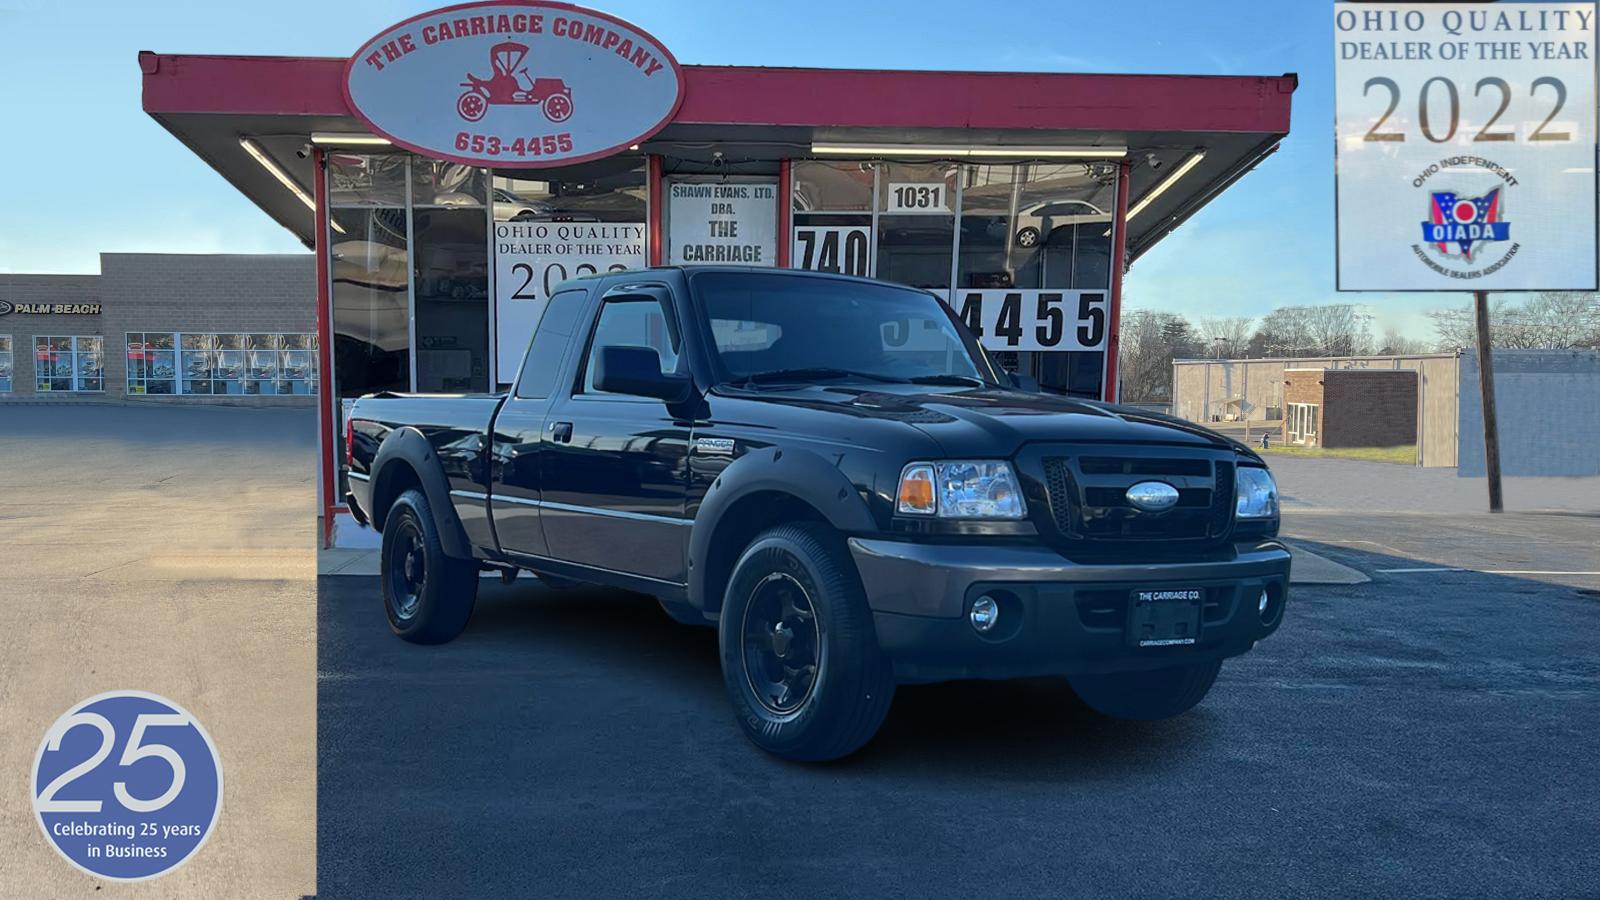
x=1112, y=465
x=1088, y=502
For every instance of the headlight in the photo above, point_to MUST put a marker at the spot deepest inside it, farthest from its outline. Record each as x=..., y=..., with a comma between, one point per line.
x=960, y=489
x=1258, y=494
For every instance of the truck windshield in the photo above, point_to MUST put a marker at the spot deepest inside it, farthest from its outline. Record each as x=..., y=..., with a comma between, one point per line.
x=777, y=327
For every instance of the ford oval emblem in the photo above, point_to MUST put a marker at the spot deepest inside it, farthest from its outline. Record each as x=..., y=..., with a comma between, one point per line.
x=1153, y=496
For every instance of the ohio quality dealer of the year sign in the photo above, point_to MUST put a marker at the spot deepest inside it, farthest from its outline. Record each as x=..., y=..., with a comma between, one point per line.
x=1465, y=155
x=514, y=84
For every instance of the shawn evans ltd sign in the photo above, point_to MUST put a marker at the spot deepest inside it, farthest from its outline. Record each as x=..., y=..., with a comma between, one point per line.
x=514, y=84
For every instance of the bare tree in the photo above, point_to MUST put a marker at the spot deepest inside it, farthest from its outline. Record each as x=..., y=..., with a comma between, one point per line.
x=1150, y=341
x=1552, y=320
x=1337, y=329
x=1227, y=336
x=1396, y=344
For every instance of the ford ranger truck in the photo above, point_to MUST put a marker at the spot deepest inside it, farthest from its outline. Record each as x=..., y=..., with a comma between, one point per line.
x=833, y=473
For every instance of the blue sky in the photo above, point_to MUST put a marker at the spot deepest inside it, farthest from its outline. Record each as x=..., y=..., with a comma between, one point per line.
x=87, y=170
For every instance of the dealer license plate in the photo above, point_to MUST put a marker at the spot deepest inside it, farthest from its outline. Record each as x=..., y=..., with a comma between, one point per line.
x=1165, y=617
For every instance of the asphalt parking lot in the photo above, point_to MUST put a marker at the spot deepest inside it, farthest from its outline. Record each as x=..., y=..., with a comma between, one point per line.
x=1429, y=733
x=169, y=549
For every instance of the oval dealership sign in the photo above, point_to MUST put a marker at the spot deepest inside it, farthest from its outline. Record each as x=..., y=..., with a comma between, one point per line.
x=514, y=84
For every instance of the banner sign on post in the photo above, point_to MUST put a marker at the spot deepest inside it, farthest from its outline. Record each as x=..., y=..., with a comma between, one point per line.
x=1465, y=154
x=519, y=83
x=722, y=223
x=843, y=249
x=532, y=258
x=1033, y=319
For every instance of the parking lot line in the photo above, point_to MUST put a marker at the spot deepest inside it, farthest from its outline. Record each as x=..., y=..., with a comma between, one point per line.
x=1482, y=571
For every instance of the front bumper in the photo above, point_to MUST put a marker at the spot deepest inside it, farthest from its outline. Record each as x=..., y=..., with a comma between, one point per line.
x=1058, y=617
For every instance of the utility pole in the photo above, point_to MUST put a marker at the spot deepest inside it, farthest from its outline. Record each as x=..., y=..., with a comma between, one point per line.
x=1491, y=427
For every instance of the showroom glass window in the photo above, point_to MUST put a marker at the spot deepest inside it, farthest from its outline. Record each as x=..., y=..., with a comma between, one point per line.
x=597, y=211
x=68, y=363
x=280, y=364
x=1040, y=225
x=940, y=225
x=610, y=191
x=369, y=269
x=152, y=362
x=227, y=364
x=916, y=223
x=5, y=364
x=450, y=276
x=832, y=225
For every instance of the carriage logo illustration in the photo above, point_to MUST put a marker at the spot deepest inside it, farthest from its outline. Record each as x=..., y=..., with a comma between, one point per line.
x=510, y=84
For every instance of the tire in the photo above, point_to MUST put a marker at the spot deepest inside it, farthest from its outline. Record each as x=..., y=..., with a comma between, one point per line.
x=802, y=576
x=1028, y=237
x=1147, y=695
x=427, y=595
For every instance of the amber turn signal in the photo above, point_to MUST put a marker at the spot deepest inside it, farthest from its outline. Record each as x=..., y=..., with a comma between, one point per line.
x=916, y=491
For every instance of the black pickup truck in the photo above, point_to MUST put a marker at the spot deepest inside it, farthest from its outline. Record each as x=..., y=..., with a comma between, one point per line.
x=832, y=472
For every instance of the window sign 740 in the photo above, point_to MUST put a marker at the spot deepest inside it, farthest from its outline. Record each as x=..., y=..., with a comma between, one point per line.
x=1032, y=319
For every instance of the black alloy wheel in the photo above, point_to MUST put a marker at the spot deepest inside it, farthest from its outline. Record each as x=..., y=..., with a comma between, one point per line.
x=782, y=645
x=408, y=571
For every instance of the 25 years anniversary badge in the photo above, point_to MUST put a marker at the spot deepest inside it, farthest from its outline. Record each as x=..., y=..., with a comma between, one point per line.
x=127, y=785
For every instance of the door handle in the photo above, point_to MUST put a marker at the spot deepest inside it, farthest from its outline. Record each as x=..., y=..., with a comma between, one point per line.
x=561, y=432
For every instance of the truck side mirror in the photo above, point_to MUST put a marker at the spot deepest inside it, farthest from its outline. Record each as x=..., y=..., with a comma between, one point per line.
x=637, y=371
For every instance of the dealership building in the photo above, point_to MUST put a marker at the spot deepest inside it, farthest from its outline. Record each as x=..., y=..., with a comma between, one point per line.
x=164, y=328
x=463, y=162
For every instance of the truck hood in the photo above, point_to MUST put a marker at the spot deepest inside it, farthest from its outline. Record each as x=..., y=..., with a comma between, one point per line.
x=995, y=422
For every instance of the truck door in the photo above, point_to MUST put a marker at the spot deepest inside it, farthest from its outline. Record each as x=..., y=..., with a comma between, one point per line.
x=614, y=470
x=518, y=430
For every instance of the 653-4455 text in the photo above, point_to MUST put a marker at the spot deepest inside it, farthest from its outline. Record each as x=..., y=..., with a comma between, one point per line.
x=494, y=145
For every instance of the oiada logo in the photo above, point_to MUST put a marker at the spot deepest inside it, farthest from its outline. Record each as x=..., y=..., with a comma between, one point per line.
x=1462, y=229
x=521, y=83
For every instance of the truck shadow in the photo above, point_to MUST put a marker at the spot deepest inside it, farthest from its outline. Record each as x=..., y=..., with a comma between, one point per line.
x=1038, y=725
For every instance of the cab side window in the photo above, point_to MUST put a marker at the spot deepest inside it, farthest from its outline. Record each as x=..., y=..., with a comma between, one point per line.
x=632, y=322
x=551, y=337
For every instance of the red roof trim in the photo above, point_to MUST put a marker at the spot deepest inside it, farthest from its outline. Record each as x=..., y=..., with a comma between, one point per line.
x=834, y=98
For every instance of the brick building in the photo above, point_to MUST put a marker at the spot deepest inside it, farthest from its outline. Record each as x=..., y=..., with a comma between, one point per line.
x=181, y=328
x=1335, y=408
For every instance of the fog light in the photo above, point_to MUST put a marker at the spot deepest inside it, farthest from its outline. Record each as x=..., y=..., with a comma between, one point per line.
x=1265, y=602
x=985, y=613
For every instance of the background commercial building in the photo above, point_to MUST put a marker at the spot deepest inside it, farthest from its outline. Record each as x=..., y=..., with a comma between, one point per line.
x=1548, y=403
x=181, y=328
x=1337, y=408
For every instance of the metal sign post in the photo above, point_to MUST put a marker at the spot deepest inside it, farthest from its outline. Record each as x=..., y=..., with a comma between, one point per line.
x=1491, y=427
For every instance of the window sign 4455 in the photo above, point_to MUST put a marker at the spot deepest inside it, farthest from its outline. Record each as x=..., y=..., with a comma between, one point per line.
x=1030, y=319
